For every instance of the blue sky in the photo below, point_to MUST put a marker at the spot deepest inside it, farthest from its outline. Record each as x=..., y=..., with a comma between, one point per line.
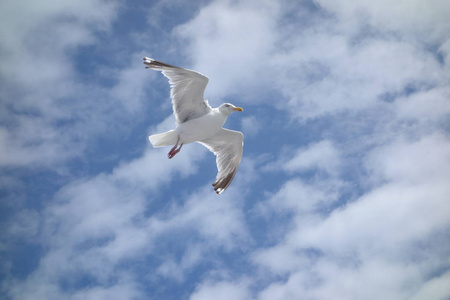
x=343, y=190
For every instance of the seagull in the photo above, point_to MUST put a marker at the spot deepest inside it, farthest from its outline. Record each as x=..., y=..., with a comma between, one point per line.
x=198, y=122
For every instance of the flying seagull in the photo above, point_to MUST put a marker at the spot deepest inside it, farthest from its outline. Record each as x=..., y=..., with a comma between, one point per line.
x=198, y=122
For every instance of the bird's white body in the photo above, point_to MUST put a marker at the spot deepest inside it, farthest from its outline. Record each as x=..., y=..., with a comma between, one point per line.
x=210, y=123
x=186, y=132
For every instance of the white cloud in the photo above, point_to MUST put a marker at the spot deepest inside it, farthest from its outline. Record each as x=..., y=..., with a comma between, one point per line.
x=321, y=69
x=327, y=74
x=282, y=260
x=50, y=111
x=409, y=18
x=138, y=173
x=308, y=197
x=38, y=76
x=96, y=224
x=121, y=290
x=175, y=270
x=129, y=90
x=321, y=156
x=424, y=160
x=218, y=219
x=222, y=291
x=230, y=43
x=436, y=288
x=329, y=280
x=373, y=241
x=250, y=125
x=36, y=38
x=430, y=106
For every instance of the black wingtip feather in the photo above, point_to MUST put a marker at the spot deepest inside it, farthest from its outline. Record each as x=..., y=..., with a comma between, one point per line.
x=222, y=184
x=151, y=63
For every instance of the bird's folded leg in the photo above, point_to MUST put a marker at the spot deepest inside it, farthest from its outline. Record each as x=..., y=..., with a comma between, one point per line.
x=174, y=149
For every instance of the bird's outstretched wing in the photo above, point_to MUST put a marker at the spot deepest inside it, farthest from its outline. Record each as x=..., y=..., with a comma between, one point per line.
x=187, y=89
x=227, y=146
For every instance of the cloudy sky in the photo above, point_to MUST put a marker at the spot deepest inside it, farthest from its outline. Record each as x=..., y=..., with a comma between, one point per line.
x=343, y=191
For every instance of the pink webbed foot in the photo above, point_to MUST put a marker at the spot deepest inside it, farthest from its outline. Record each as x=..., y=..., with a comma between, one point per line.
x=174, y=150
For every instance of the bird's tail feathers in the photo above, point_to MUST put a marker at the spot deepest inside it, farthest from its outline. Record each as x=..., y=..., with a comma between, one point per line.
x=163, y=139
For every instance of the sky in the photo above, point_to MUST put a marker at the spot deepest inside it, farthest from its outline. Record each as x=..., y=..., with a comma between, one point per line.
x=343, y=190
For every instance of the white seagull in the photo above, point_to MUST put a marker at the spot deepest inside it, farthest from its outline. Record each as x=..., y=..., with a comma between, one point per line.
x=198, y=122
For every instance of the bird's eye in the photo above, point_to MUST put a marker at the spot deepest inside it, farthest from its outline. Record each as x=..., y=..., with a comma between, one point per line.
x=227, y=105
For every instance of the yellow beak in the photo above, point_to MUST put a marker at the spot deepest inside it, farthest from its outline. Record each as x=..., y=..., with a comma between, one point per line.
x=238, y=109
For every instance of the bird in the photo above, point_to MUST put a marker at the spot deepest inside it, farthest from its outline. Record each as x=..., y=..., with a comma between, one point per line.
x=197, y=121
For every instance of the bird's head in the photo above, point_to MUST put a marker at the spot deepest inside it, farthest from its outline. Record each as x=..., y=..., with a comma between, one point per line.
x=228, y=108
